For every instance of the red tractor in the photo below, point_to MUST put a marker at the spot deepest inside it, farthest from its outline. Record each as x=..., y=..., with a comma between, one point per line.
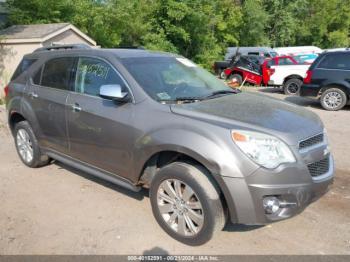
x=255, y=70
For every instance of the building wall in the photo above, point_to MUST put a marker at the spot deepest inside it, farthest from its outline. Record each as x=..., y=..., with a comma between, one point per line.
x=67, y=37
x=11, y=54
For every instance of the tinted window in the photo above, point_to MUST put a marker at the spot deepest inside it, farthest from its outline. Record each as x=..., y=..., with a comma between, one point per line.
x=92, y=74
x=37, y=77
x=58, y=72
x=285, y=61
x=336, y=61
x=271, y=62
x=23, y=66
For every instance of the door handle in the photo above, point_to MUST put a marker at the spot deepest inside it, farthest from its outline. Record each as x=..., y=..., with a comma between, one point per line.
x=76, y=108
x=33, y=95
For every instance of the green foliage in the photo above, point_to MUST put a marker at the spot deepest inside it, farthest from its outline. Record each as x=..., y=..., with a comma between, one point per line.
x=255, y=20
x=198, y=29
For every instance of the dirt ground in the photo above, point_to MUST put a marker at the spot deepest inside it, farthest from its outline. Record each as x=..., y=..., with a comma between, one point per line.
x=59, y=210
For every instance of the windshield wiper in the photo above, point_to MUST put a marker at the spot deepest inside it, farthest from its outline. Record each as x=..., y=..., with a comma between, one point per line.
x=189, y=99
x=223, y=92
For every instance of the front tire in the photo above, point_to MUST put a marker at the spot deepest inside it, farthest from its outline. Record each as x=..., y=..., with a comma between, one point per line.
x=333, y=99
x=292, y=87
x=236, y=78
x=186, y=203
x=27, y=146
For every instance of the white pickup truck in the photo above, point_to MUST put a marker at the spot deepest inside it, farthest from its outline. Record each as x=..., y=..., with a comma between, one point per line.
x=290, y=77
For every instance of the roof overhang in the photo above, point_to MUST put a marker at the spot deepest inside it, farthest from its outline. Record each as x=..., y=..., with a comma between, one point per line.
x=47, y=37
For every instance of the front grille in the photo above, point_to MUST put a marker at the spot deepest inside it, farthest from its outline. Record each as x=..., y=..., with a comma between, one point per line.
x=319, y=168
x=311, y=141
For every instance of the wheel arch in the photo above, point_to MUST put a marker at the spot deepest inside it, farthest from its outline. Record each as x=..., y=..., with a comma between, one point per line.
x=14, y=118
x=294, y=76
x=162, y=158
x=342, y=86
x=236, y=72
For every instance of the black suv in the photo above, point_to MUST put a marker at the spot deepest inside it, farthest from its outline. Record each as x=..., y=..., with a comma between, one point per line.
x=329, y=79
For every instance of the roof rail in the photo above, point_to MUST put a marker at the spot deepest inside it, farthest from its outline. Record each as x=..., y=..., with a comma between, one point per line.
x=62, y=47
x=132, y=47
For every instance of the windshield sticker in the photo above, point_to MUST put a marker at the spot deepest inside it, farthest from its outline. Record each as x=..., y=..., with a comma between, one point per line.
x=186, y=62
x=163, y=96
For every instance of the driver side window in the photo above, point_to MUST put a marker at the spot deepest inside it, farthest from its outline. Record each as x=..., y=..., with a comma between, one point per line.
x=92, y=73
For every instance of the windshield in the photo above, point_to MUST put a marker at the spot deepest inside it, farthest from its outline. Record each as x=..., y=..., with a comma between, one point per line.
x=173, y=78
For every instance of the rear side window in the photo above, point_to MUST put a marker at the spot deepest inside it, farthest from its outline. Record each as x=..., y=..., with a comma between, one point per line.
x=271, y=62
x=23, y=66
x=58, y=73
x=92, y=73
x=339, y=61
x=285, y=61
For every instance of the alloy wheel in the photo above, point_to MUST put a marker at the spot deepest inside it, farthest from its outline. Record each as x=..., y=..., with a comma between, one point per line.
x=180, y=207
x=333, y=100
x=24, y=145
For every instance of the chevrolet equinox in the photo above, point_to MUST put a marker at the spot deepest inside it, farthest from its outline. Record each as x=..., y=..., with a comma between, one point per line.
x=208, y=153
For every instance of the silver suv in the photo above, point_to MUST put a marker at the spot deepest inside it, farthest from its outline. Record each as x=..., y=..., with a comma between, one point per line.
x=208, y=154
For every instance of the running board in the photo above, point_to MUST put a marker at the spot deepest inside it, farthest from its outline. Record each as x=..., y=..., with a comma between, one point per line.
x=93, y=171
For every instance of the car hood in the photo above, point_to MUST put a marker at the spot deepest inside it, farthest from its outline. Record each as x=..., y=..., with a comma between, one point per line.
x=258, y=112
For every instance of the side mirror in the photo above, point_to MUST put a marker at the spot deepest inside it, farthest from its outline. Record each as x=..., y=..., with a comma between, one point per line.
x=113, y=92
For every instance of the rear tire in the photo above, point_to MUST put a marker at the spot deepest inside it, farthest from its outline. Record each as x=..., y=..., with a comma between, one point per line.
x=292, y=87
x=333, y=99
x=236, y=77
x=186, y=203
x=27, y=146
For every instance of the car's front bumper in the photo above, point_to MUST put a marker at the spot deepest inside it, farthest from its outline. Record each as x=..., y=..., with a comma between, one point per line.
x=292, y=185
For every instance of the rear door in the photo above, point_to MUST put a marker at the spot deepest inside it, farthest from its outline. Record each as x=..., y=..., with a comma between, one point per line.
x=100, y=130
x=48, y=94
x=332, y=68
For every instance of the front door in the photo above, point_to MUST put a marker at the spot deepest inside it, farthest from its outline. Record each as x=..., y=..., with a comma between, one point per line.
x=99, y=129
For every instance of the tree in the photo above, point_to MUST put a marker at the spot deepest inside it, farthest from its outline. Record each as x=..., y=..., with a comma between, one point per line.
x=198, y=29
x=282, y=22
x=325, y=23
x=254, y=22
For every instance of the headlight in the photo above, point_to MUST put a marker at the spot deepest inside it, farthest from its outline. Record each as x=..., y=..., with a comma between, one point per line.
x=265, y=150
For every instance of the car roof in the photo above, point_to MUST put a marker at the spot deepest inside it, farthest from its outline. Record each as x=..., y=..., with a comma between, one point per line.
x=129, y=53
x=337, y=51
x=120, y=53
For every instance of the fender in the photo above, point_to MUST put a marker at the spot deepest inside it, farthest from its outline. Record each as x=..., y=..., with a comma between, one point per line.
x=27, y=112
x=196, y=146
x=342, y=83
x=204, y=150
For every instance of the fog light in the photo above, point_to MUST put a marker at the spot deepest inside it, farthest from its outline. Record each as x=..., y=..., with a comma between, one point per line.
x=271, y=204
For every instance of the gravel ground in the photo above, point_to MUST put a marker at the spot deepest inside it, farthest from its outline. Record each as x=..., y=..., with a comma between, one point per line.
x=59, y=210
